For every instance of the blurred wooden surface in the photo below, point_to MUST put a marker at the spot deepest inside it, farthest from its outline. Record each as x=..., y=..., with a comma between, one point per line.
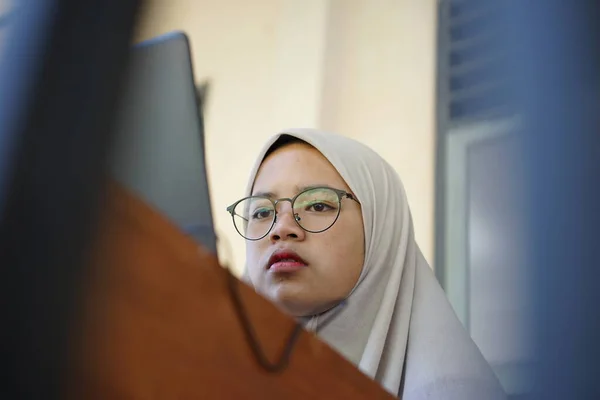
x=158, y=322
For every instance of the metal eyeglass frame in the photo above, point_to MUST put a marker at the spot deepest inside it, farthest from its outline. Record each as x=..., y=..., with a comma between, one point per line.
x=340, y=193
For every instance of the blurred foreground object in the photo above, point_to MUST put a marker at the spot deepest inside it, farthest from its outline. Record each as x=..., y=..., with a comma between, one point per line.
x=162, y=320
x=62, y=62
x=555, y=55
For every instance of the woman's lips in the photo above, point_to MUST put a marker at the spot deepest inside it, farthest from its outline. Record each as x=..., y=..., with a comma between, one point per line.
x=286, y=266
x=285, y=261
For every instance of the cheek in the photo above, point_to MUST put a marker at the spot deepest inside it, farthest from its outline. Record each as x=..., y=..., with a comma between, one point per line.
x=356, y=249
x=252, y=258
x=345, y=250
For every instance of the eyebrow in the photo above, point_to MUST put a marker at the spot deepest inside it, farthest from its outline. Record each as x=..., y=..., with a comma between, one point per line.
x=298, y=189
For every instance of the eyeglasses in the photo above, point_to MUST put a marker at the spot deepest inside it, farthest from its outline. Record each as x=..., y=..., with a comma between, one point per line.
x=315, y=210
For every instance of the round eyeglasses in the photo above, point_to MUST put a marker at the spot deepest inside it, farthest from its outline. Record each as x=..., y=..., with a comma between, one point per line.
x=315, y=210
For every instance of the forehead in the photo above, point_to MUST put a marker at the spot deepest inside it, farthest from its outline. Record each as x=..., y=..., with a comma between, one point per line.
x=290, y=168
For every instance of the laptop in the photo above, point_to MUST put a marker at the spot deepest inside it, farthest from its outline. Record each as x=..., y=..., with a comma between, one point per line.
x=158, y=152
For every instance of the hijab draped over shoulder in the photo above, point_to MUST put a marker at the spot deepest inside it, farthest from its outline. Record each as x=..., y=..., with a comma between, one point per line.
x=396, y=325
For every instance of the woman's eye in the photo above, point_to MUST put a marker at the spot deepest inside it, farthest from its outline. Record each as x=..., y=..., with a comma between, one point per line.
x=319, y=207
x=262, y=214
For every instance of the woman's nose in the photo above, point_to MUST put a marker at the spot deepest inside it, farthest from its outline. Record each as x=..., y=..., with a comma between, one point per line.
x=286, y=226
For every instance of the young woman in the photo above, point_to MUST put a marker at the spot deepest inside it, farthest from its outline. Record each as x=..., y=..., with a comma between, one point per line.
x=330, y=240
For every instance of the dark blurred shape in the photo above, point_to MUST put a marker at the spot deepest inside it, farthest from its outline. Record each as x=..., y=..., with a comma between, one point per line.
x=554, y=50
x=59, y=87
x=202, y=94
x=536, y=64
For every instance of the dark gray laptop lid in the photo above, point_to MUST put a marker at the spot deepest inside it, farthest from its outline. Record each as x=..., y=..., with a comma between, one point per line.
x=159, y=149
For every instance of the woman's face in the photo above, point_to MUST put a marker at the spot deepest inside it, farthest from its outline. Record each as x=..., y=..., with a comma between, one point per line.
x=331, y=260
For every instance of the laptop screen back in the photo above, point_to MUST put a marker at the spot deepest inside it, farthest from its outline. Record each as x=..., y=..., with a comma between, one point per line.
x=159, y=148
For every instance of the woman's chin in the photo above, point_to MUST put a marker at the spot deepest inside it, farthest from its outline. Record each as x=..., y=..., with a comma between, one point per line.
x=297, y=304
x=292, y=299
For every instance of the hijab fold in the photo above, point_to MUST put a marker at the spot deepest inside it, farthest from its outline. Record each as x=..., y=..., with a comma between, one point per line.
x=396, y=322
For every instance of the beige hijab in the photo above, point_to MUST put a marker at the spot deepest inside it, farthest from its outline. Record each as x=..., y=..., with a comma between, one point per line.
x=396, y=325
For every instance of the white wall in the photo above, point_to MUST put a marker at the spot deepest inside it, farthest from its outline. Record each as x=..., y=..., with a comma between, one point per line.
x=363, y=68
